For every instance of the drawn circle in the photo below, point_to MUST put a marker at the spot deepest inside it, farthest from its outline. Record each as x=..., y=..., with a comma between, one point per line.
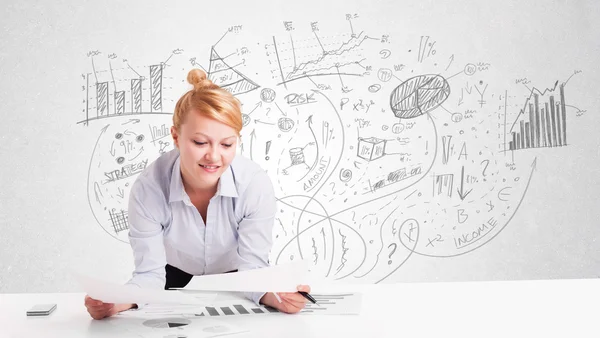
x=267, y=95
x=409, y=233
x=374, y=88
x=245, y=119
x=120, y=159
x=140, y=138
x=384, y=74
x=384, y=127
x=216, y=329
x=345, y=175
x=285, y=124
x=267, y=158
x=457, y=117
x=118, y=136
x=419, y=95
x=470, y=69
x=397, y=128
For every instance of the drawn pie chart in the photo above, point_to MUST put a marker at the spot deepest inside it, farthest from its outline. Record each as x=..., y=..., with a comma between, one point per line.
x=166, y=323
x=419, y=95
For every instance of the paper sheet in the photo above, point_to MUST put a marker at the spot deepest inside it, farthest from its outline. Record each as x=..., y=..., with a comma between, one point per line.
x=174, y=326
x=118, y=293
x=277, y=278
x=230, y=304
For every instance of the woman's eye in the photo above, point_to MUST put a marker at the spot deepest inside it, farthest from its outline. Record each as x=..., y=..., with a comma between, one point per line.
x=200, y=143
x=227, y=145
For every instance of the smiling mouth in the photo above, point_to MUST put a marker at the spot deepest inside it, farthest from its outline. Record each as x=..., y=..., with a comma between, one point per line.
x=209, y=166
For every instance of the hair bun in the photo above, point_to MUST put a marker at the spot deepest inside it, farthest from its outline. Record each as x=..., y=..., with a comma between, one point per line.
x=197, y=78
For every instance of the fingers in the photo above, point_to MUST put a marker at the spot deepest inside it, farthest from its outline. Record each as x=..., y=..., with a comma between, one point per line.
x=293, y=297
x=98, y=309
x=304, y=288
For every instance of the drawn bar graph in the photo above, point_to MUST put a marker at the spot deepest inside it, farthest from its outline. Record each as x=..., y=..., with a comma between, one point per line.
x=101, y=99
x=156, y=77
x=120, y=102
x=136, y=95
x=543, y=127
x=113, y=102
x=326, y=304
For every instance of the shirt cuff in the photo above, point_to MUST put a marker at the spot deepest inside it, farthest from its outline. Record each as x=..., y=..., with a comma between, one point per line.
x=255, y=296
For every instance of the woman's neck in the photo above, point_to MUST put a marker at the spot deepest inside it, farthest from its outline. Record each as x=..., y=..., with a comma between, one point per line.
x=198, y=188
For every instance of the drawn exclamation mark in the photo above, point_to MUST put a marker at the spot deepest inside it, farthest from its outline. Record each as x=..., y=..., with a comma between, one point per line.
x=426, y=147
x=267, y=150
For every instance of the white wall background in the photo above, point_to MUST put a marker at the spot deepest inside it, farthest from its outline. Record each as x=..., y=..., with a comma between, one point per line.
x=541, y=221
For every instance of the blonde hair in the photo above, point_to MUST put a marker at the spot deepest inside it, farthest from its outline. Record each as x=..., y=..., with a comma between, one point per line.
x=210, y=100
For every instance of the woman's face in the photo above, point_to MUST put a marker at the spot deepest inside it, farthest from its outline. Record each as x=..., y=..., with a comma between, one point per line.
x=206, y=149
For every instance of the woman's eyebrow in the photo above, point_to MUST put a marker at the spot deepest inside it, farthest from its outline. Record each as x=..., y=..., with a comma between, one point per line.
x=210, y=138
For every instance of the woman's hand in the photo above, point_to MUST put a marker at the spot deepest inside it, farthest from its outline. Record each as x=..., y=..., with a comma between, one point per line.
x=291, y=302
x=98, y=309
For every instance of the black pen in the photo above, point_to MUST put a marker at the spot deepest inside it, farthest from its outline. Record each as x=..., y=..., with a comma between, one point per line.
x=308, y=296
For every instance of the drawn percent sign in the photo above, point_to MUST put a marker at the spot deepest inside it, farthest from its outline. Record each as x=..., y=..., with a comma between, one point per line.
x=419, y=95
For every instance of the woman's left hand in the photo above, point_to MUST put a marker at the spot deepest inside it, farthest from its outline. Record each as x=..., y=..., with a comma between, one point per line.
x=291, y=302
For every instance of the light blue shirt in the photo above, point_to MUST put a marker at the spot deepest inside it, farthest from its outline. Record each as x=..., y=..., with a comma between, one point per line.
x=165, y=227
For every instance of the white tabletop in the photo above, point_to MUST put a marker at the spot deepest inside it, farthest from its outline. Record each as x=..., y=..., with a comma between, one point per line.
x=547, y=308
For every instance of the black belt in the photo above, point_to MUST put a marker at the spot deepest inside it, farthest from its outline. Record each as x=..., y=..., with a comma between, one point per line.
x=177, y=278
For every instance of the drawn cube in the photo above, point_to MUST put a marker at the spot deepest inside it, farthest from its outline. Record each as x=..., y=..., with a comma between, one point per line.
x=371, y=148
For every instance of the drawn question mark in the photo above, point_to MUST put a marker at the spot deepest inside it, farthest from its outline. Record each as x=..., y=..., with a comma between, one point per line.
x=486, y=165
x=332, y=185
x=391, y=253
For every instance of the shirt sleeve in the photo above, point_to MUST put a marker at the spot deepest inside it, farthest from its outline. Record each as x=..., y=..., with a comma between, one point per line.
x=145, y=210
x=255, y=231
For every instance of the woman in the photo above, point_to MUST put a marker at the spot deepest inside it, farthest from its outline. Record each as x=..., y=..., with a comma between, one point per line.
x=200, y=209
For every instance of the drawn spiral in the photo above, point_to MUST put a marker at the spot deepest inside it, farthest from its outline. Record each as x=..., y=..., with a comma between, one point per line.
x=345, y=175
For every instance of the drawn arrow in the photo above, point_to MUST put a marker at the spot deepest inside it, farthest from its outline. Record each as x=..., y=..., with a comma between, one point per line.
x=461, y=192
x=469, y=89
x=252, y=137
x=284, y=114
x=259, y=104
x=310, y=122
x=259, y=121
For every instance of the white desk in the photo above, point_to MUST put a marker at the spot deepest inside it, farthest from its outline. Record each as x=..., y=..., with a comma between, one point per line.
x=552, y=308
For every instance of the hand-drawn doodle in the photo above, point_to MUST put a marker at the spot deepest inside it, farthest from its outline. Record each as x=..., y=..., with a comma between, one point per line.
x=121, y=152
x=359, y=190
x=122, y=90
x=419, y=95
x=227, y=76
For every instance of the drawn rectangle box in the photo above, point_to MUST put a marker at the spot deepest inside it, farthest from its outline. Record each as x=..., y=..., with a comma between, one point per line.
x=371, y=148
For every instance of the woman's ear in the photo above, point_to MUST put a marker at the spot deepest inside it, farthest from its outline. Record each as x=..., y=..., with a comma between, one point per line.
x=175, y=136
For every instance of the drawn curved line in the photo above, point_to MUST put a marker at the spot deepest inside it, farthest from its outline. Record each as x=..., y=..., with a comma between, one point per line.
x=375, y=199
x=355, y=206
x=533, y=166
x=329, y=176
x=381, y=238
x=317, y=145
x=88, y=184
x=326, y=168
x=405, y=259
x=352, y=207
x=298, y=232
x=310, y=227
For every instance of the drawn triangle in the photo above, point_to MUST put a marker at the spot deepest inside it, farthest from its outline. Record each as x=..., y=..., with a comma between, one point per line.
x=223, y=75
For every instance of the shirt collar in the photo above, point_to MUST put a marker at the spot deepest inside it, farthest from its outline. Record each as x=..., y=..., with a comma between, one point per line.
x=226, y=186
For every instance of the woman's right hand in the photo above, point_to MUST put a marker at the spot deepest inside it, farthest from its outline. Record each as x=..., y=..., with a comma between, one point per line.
x=98, y=309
